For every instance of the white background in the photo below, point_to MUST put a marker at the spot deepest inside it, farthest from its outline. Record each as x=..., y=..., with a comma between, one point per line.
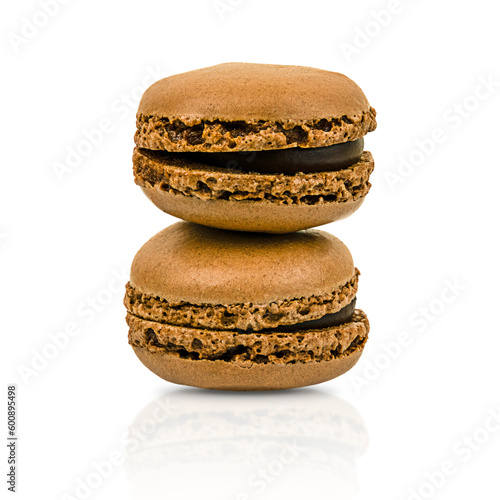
x=427, y=248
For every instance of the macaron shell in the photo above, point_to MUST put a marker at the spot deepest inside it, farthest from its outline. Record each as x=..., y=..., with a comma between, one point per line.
x=252, y=107
x=248, y=201
x=239, y=316
x=197, y=264
x=191, y=178
x=220, y=137
x=245, y=349
x=254, y=92
x=330, y=195
x=221, y=375
x=250, y=216
x=281, y=361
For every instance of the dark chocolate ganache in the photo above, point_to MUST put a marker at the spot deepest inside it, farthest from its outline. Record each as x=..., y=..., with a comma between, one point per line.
x=284, y=161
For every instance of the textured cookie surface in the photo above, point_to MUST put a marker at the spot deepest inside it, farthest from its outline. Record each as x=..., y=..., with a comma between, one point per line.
x=248, y=215
x=243, y=349
x=201, y=265
x=242, y=107
x=221, y=375
x=239, y=316
x=173, y=175
x=248, y=362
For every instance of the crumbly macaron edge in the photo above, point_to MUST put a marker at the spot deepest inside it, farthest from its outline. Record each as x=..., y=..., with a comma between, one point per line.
x=246, y=349
x=180, y=134
x=178, y=176
x=238, y=316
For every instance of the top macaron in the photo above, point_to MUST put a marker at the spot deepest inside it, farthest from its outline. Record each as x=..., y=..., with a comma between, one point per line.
x=254, y=147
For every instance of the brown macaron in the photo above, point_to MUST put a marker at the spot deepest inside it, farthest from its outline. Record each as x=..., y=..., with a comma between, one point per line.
x=254, y=147
x=237, y=311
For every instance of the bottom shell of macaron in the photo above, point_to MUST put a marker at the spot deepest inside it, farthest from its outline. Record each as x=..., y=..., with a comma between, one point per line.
x=237, y=361
x=250, y=201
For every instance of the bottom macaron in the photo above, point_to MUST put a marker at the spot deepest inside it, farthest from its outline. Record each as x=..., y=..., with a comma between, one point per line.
x=249, y=361
x=235, y=311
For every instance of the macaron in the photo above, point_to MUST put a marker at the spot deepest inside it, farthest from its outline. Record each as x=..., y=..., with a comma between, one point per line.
x=255, y=147
x=237, y=311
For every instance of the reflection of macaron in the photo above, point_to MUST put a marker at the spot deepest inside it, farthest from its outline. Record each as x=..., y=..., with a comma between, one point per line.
x=311, y=436
x=238, y=311
x=254, y=147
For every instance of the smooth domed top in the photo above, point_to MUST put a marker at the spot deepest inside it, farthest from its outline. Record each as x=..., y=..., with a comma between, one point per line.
x=202, y=265
x=253, y=92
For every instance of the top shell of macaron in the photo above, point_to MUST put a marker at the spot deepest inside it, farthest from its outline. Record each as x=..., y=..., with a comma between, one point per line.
x=201, y=265
x=244, y=106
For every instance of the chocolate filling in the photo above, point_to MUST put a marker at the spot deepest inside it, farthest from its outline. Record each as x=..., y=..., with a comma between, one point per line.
x=284, y=161
x=326, y=321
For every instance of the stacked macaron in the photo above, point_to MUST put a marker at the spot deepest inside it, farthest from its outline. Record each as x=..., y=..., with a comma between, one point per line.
x=244, y=296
